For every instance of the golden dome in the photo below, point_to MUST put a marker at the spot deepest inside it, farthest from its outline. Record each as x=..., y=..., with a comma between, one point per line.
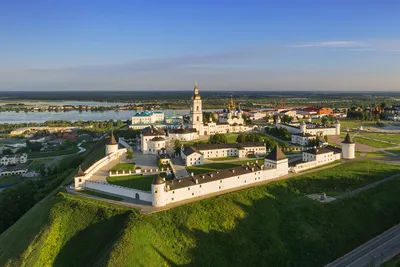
x=196, y=97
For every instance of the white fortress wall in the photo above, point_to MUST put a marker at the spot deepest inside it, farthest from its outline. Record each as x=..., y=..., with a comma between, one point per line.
x=98, y=165
x=119, y=190
x=197, y=190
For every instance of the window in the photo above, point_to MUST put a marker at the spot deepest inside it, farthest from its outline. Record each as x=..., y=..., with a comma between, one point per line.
x=173, y=192
x=192, y=194
x=156, y=191
x=188, y=188
x=172, y=199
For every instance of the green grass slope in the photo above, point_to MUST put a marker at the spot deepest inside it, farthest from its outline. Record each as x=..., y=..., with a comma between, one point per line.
x=270, y=225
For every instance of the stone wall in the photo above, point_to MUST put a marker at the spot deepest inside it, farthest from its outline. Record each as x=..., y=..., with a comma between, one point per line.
x=119, y=190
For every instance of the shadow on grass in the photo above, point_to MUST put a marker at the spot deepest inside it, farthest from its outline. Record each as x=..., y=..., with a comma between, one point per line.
x=285, y=228
x=91, y=247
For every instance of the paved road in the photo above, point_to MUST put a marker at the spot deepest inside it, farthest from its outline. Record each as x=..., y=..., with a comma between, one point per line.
x=180, y=169
x=373, y=253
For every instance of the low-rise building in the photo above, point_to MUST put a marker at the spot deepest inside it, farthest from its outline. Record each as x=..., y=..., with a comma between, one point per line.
x=302, y=139
x=7, y=160
x=147, y=117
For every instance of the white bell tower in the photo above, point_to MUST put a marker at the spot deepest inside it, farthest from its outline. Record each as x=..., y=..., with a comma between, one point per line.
x=196, y=111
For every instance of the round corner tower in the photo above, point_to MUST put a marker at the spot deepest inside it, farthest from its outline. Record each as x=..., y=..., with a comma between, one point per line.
x=158, y=192
x=112, y=145
x=348, y=148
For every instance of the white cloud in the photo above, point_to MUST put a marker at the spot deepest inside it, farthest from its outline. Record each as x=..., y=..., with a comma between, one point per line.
x=332, y=44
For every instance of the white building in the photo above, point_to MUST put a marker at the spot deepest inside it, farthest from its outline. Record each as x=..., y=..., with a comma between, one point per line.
x=12, y=171
x=196, y=155
x=302, y=139
x=182, y=134
x=230, y=120
x=152, y=140
x=7, y=160
x=192, y=156
x=147, y=117
x=167, y=192
x=310, y=128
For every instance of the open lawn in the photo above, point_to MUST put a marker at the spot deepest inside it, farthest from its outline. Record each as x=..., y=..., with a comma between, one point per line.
x=215, y=166
x=139, y=181
x=71, y=150
x=34, y=165
x=369, y=142
x=377, y=154
x=123, y=167
x=395, y=151
x=269, y=225
x=346, y=177
x=394, y=138
x=98, y=194
x=6, y=180
x=348, y=123
x=231, y=137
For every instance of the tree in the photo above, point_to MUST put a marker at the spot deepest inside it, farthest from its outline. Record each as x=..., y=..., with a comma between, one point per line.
x=7, y=151
x=217, y=139
x=129, y=154
x=324, y=120
x=253, y=138
x=286, y=119
x=33, y=146
x=240, y=138
x=177, y=146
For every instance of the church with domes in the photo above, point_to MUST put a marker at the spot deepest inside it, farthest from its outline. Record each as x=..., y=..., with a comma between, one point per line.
x=229, y=121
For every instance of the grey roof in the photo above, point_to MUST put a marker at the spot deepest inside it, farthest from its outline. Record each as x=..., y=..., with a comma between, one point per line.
x=212, y=176
x=158, y=139
x=304, y=134
x=183, y=131
x=152, y=131
x=112, y=140
x=80, y=171
x=230, y=145
x=158, y=180
x=347, y=139
x=319, y=151
x=276, y=154
x=164, y=156
x=189, y=150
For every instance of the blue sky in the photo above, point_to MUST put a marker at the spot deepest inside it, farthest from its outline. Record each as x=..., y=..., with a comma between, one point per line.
x=224, y=45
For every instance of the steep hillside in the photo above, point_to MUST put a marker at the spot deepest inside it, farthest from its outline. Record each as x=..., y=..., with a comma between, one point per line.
x=271, y=225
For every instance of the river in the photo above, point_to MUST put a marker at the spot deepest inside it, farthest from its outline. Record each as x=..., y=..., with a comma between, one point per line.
x=75, y=115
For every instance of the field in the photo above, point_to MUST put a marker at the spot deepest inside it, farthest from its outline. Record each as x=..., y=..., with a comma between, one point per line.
x=215, y=166
x=344, y=124
x=369, y=142
x=395, y=151
x=6, y=180
x=270, y=225
x=71, y=150
x=123, y=167
x=98, y=194
x=349, y=176
x=395, y=138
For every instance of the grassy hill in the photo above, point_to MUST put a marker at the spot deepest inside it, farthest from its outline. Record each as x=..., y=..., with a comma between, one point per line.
x=270, y=225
